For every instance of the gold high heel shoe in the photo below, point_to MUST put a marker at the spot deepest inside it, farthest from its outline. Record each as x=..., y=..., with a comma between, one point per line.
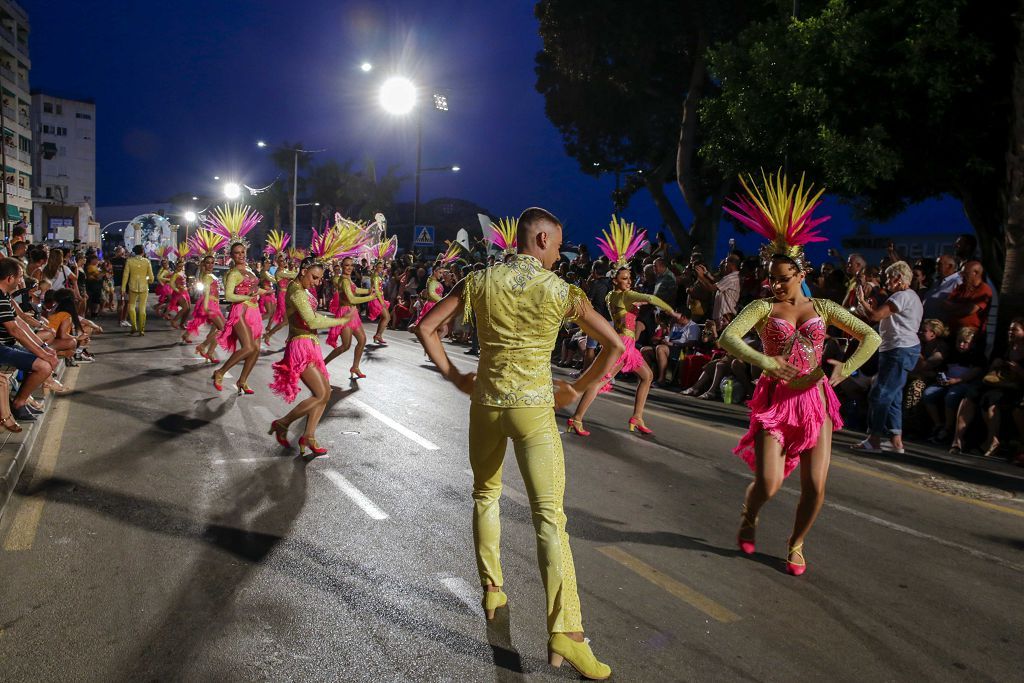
x=492, y=601
x=563, y=648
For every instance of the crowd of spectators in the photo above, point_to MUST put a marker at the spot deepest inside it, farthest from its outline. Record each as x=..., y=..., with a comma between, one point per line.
x=932, y=378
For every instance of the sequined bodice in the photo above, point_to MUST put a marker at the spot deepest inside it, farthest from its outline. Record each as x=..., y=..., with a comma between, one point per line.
x=295, y=320
x=247, y=286
x=801, y=345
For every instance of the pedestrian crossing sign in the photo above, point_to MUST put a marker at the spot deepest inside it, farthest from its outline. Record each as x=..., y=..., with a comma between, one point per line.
x=423, y=236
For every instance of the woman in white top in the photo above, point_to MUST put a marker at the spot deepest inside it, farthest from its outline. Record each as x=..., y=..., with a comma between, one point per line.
x=899, y=318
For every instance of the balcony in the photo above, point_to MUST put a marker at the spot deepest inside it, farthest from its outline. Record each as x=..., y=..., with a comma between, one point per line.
x=8, y=73
x=15, y=191
x=23, y=82
x=10, y=114
x=24, y=157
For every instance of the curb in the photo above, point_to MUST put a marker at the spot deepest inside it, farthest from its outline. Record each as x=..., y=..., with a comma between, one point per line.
x=25, y=442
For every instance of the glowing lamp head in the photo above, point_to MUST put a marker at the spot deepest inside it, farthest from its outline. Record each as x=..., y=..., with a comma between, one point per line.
x=366, y=67
x=232, y=190
x=190, y=216
x=260, y=143
x=398, y=96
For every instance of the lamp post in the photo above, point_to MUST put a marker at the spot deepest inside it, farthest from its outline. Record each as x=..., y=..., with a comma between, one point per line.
x=295, y=175
x=398, y=97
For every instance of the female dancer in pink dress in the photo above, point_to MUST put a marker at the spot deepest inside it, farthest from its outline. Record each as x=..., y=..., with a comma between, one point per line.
x=434, y=291
x=179, y=301
x=303, y=360
x=205, y=245
x=277, y=248
x=621, y=245
x=345, y=305
x=268, y=302
x=794, y=408
x=241, y=334
x=381, y=254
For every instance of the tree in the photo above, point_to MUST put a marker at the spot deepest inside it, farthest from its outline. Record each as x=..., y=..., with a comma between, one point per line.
x=887, y=103
x=623, y=81
x=355, y=194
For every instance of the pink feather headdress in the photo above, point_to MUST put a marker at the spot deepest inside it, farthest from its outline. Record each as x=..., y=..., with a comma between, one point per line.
x=382, y=251
x=205, y=243
x=783, y=214
x=451, y=255
x=342, y=240
x=233, y=222
x=503, y=234
x=277, y=242
x=622, y=243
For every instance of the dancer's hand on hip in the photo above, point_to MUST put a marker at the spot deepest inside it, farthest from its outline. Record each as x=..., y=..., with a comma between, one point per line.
x=463, y=381
x=836, y=376
x=785, y=370
x=565, y=393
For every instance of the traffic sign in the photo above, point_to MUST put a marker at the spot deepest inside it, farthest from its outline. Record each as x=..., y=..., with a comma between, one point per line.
x=423, y=236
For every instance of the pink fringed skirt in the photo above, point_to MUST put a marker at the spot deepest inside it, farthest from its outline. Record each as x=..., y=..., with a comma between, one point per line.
x=630, y=360
x=793, y=417
x=265, y=301
x=202, y=315
x=299, y=354
x=240, y=312
x=175, y=300
x=427, y=305
x=163, y=292
x=338, y=311
x=279, y=312
x=374, y=309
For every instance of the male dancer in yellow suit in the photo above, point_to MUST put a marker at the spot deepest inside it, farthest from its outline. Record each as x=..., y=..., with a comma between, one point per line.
x=138, y=276
x=519, y=306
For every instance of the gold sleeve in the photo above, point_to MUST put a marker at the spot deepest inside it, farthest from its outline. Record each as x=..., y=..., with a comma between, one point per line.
x=431, y=286
x=232, y=280
x=632, y=297
x=576, y=304
x=731, y=338
x=207, y=281
x=162, y=275
x=350, y=298
x=299, y=300
x=836, y=315
x=467, y=297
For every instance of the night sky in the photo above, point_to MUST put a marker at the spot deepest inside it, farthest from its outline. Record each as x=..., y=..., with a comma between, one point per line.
x=183, y=90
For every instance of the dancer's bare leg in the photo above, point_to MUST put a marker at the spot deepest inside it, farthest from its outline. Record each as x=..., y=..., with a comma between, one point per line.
x=346, y=342
x=642, y=389
x=813, y=473
x=312, y=407
x=382, y=324
x=244, y=339
x=250, y=360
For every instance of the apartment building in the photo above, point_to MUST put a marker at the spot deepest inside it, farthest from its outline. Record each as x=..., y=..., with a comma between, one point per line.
x=63, y=166
x=16, y=108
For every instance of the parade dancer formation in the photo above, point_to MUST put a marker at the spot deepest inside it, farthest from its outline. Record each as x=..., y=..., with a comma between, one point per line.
x=620, y=246
x=519, y=306
x=276, y=248
x=205, y=244
x=794, y=409
x=347, y=297
x=302, y=357
x=380, y=253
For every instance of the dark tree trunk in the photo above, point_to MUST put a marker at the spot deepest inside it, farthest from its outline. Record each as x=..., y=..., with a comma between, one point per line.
x=1011, y=291
x=687, y=176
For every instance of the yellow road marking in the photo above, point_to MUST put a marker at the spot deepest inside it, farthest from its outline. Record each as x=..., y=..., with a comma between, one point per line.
x=22, y=533
x=667, y=583
x=867, y=471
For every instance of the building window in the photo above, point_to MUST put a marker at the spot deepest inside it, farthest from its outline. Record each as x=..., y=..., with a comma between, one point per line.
x=49, y=192
x=80, y=115
x=61, y=130
x=47, y=109
x=60, y=110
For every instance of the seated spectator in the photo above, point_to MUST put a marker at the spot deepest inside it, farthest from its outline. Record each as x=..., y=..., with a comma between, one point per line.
x=1000, y=388
x=969, y=302
x=682, y=337
x=934, y=353
x=964, y=366
x=719, y=368
x=71, y=336
x=7, y=420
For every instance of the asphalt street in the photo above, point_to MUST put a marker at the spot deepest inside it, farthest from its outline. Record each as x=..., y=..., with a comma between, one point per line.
x=159, y=533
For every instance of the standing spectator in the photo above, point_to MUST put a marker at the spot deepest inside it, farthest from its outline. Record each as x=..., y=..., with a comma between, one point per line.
x=726, y=289
x=968, y=304
x=855, y=265
x=965, y=247
x=597, y=287
x=93, y=285
x=899, y=319
x=946, y=279
x=665, y=282
x=118, y=261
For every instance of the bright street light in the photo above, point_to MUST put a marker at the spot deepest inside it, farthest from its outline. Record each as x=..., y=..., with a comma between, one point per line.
x=398, y=96
x=195, y=199
x=456, y=168
x=366, y=67
x=190, y=216
x=260, y=143
x=232, y=190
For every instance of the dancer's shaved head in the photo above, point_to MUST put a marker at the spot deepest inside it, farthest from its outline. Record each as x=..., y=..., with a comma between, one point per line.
x=533, y=221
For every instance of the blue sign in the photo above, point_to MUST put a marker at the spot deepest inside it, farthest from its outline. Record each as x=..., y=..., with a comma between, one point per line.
x=423, y=236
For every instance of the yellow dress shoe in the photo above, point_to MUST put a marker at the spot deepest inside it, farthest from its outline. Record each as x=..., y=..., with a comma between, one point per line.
x=563, y=648
x=492, y=601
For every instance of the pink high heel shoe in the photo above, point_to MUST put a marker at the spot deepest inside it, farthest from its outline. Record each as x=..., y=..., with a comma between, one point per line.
x=637, y=425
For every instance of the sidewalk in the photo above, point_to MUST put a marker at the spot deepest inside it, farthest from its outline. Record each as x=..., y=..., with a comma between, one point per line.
x=974, y=469
x=16, y=449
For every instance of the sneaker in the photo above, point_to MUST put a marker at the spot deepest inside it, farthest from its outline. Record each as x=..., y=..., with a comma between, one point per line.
x=70, y=362
x=125, y=323
x=84, y=359
x=472, y=352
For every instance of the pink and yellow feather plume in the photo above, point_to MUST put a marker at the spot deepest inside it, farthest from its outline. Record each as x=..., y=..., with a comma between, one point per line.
x=503, y=234
x=277, y=242
x=622, y=243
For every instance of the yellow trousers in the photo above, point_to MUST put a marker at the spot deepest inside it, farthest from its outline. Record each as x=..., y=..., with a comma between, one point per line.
x=538, y=448
x=138, y=321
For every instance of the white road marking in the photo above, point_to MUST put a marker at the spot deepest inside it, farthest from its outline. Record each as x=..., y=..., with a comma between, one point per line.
x=506, y=490
x=231, y=461
x=400, y=428
x=357, y=496
x=461, y=589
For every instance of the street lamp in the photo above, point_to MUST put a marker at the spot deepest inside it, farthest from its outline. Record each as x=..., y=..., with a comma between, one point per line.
x=398, y=97
x=295, y=174
x=366, y=67
x=232, y=190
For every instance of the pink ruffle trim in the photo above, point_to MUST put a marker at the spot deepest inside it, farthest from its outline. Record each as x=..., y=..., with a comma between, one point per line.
x=299, y=354
x=374, y=309
x=423, y=311
x=250, y=315
x=794, y=417
x=337, y=310
x=630, y=360
x=202, y=316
